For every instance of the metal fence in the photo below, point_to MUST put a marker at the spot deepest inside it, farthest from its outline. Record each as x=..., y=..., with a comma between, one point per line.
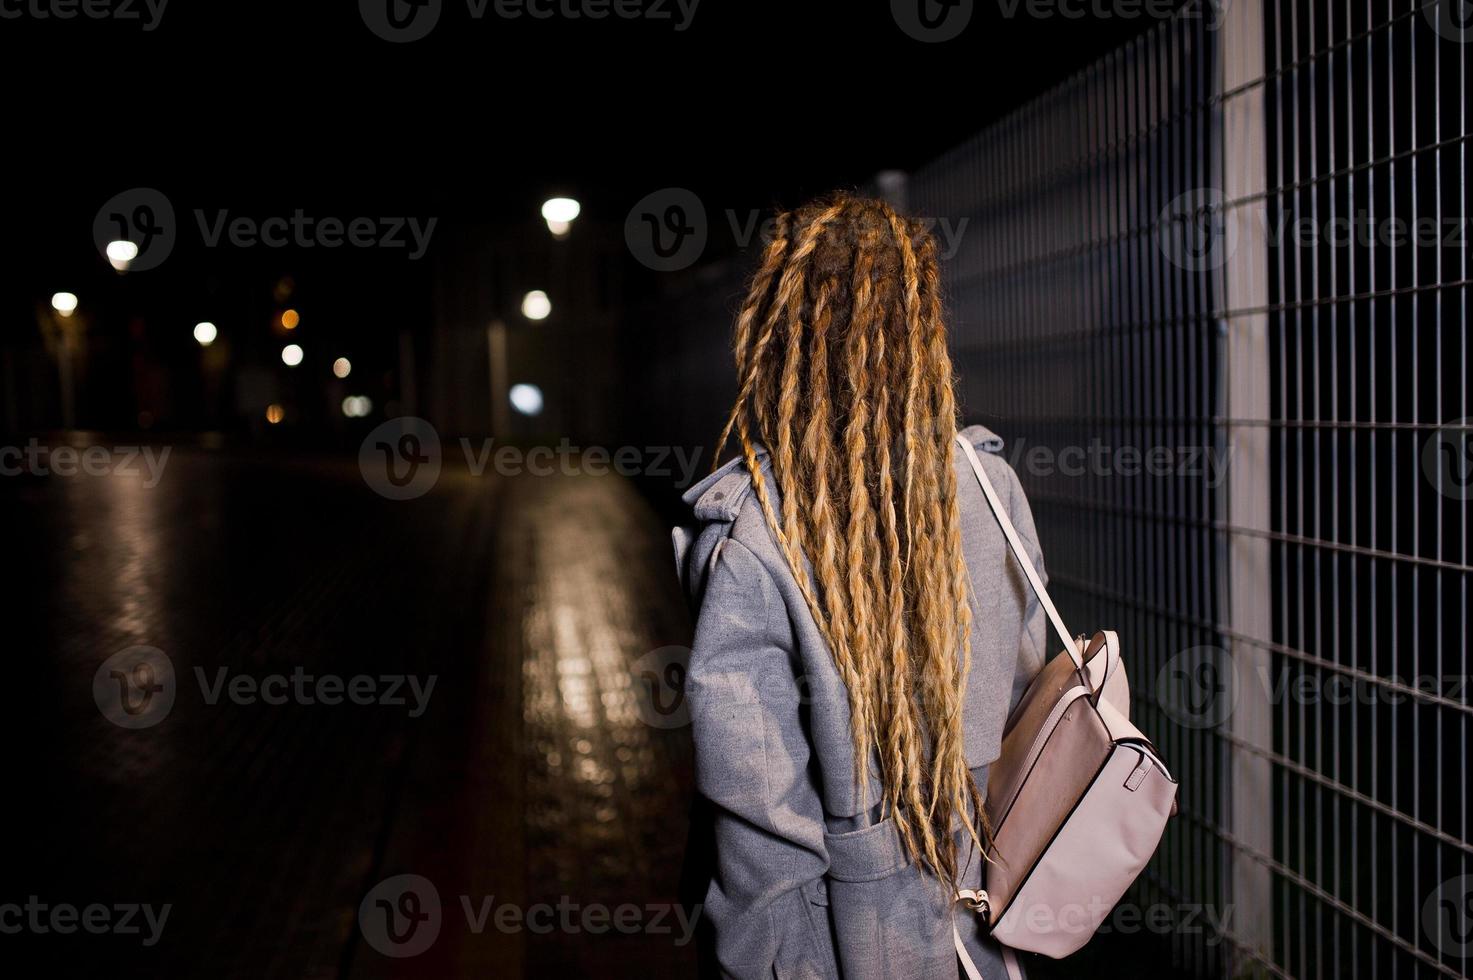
x=1213, y=292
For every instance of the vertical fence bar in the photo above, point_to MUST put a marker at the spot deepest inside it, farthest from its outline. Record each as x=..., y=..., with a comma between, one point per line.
x=1247, y=579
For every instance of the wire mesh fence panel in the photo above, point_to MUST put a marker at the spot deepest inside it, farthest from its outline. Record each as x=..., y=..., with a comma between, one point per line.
x=1213, y=292
x=1367, y=127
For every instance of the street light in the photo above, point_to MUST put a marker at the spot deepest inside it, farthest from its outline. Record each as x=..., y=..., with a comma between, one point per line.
x=120, y=253
x=64, y=304
x=526, y=399
x=291, y=355
x=559, y=213
x=536, y=305
x=67, y=338
x=205, y=333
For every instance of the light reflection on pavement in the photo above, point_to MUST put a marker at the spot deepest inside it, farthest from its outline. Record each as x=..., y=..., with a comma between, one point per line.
x=531, y=778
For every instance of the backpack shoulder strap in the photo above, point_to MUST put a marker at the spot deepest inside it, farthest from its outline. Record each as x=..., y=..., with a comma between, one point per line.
x=1016, y=543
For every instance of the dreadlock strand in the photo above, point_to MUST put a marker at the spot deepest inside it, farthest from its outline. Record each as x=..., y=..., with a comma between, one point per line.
x=841, y=352
x=772, y=263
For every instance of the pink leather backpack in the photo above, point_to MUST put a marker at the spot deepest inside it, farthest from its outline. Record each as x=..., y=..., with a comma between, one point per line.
x=1077, y=799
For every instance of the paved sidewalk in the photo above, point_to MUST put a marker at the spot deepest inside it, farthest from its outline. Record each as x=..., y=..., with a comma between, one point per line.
x=528, y=779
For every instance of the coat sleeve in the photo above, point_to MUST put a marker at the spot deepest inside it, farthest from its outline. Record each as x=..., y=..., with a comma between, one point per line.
x=1037, y=636
x=752, y=758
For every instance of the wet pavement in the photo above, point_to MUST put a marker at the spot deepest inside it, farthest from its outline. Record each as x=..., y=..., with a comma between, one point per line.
x=447, y=687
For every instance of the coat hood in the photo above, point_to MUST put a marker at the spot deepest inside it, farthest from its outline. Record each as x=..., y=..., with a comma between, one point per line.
x=716, y=500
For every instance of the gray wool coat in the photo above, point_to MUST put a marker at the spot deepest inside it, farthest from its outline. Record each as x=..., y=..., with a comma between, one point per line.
x=809, y=882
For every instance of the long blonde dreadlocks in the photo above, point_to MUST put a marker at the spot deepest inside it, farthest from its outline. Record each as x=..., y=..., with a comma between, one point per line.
x=844, y=374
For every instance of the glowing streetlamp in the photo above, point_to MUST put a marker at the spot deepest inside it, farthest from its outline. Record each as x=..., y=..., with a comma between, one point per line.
x=120, y=253
x=536, y=305
x=205, y=333
x=559, y=213
x=65, y=304
x=526, y=399
x=291, y=355
x=66, y=336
